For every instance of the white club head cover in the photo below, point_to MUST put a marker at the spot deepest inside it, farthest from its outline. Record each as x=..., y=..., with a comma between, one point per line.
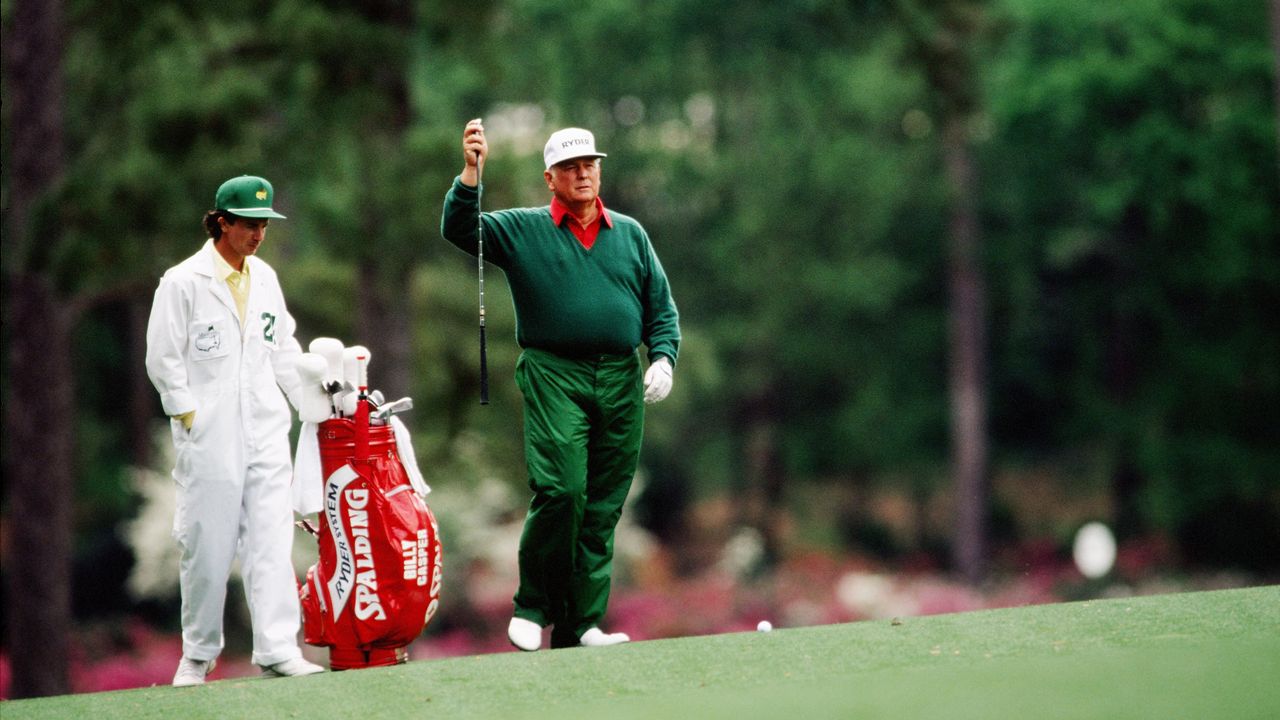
x=331, y=350
x=350, y=368
x=313, y=401
x=351, y=376
x=349, y=404
x=657, y=381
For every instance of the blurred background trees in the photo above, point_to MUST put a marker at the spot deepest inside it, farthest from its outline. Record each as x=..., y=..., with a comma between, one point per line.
x=932, y=249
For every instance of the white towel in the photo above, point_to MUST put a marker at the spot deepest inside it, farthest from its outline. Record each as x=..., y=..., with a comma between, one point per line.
x=308, y=474
x=404, y=445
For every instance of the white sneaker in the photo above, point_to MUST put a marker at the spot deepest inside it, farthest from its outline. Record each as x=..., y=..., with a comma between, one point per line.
x=192, y=672
x=524, y=634
x=291, y=668
x=595, y=637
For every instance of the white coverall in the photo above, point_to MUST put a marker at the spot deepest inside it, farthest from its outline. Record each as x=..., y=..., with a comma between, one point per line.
x=233, y=467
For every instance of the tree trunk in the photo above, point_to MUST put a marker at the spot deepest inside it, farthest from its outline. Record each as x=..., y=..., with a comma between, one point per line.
x=33, y=71
x=39, y=411
x=1121, y=375
x=384, y=277
x=968, y=360
x=39, y=420
x=763, y=506
x=141, y=405
x=944, y=37
x=384, y=324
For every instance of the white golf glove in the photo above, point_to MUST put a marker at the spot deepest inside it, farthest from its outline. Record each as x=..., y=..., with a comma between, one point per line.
x=657, y=381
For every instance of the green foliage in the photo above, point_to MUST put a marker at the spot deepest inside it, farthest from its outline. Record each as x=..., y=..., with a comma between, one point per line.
x=785, y=160
x=1135, y=195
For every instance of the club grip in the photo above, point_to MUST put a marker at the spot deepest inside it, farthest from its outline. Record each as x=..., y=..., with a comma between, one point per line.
x=484, y=369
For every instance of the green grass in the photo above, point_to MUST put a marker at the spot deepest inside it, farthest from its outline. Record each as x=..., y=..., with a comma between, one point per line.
x=1194, y=655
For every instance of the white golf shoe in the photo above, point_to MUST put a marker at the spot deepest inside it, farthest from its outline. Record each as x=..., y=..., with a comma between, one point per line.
x=192, y=672
x=291, y=668
x=595, y=637
x=524, y=634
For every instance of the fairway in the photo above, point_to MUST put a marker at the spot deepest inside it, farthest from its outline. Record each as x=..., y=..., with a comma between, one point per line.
x=1194, y=655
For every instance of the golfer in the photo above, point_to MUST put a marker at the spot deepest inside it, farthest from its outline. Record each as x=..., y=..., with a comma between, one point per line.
x=588, y=290
x=220, y=348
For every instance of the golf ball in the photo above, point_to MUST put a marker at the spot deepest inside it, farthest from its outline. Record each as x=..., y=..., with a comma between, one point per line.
x=1094, y=550
x=764, y=626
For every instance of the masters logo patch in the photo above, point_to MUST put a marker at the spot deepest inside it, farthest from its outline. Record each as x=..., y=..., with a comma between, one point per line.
x=208, y=340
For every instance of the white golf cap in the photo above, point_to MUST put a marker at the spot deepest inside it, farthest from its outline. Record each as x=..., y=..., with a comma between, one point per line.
x=568, y=144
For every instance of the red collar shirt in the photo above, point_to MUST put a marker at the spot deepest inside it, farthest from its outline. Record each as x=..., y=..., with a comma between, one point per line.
x=586, y=234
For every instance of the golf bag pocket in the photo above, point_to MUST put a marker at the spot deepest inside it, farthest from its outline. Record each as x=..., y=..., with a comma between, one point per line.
x=317, y=629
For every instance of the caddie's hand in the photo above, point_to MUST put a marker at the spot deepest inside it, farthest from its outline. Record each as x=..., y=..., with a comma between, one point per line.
x=657, y=381
x=186, y=419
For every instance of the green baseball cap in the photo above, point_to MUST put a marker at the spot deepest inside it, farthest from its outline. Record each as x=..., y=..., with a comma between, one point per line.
x=247, y=196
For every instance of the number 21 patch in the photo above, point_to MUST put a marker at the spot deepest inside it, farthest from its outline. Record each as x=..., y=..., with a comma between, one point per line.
x=268, y=327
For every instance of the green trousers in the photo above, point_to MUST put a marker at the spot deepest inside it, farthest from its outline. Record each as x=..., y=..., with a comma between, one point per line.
x=583, y=423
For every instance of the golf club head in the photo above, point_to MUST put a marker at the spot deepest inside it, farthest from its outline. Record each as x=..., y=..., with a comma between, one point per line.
x=391, y=408
x=337, y=391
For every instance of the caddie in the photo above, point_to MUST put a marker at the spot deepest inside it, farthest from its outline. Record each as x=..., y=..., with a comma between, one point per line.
x=588, y=290
x=220, y=351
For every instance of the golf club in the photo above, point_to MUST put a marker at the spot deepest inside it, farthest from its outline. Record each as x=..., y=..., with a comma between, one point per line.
x=484, y=360
x=388, y=409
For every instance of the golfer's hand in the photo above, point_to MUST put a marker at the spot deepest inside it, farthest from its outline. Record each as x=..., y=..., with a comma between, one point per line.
x=474, y=151
x=657, y=381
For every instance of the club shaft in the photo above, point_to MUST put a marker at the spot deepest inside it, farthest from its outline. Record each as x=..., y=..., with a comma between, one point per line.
x=484, y=371
x=484, y=359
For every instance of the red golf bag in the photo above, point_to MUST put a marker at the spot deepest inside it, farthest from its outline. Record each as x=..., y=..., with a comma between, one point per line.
x=377, y=582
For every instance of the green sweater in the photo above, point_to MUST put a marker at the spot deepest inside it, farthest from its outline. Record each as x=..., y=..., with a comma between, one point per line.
x=570, y=300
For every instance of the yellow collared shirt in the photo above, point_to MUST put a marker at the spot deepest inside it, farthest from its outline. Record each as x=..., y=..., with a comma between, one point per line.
x=237, y=281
